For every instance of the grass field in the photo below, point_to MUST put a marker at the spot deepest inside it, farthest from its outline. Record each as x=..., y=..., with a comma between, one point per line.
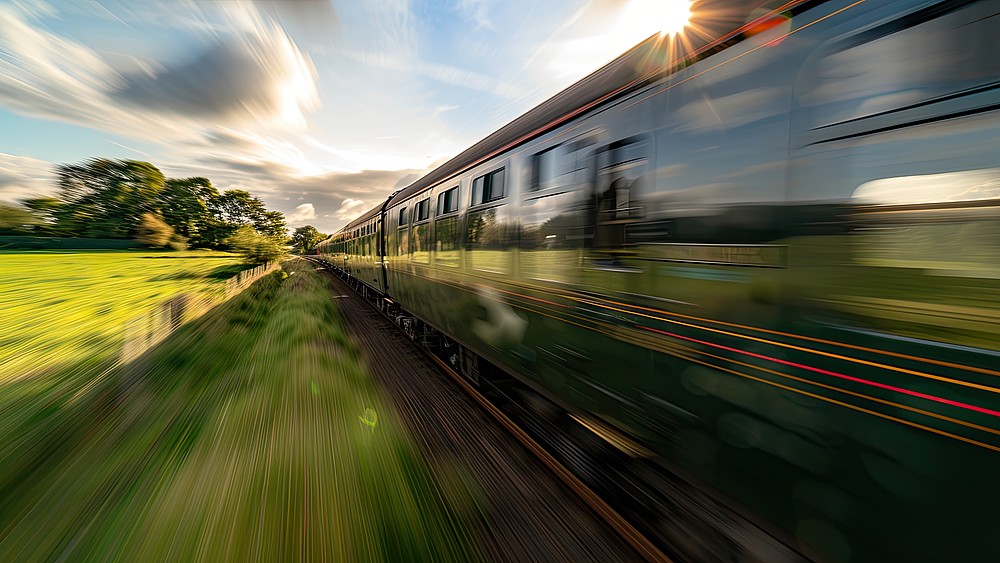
x=65, y=308
x=251, y=434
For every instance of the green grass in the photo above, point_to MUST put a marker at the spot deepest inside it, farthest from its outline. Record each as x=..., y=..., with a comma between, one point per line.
x=65, y=308
x=248, y=435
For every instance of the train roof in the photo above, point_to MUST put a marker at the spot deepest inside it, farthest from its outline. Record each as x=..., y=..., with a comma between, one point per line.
x=637, y=67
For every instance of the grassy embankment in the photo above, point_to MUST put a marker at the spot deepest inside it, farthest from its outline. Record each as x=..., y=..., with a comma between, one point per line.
x=252, y=434
x=65, y=311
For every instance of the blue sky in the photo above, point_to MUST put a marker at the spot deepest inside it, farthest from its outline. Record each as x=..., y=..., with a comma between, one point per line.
x=319, y=107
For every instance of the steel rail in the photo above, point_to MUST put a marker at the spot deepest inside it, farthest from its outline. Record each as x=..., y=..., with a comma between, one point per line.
x=645, y=548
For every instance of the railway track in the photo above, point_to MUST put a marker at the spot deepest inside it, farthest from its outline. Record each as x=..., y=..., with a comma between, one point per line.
x=654, y=517
x=645, y=548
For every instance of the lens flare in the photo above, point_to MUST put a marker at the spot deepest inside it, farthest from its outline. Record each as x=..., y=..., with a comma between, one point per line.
x=668, y=17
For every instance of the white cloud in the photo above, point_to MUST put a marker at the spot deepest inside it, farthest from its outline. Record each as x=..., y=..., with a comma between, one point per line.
x=22, y=177
x=349, y=209
x=302, y=213
x=250, y=76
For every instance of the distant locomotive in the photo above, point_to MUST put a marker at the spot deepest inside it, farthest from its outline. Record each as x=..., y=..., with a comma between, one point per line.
x=774, y=260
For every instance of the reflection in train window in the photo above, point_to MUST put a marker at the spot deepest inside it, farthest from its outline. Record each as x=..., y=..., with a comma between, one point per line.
x=552, y=236
x=488, y=239
x=402, y=236
x=621, y=170
x=488, y=187
x=903, y=64
x=420, y=236
x=561, y=165
x=446, y=241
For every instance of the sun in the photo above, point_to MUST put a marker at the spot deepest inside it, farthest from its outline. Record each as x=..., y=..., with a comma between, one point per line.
x=668, y=17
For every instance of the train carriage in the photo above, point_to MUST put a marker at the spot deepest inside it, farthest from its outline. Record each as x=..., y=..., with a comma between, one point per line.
x=772, y=261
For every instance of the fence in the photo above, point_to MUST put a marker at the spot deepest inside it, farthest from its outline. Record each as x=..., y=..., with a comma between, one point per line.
x=244, y=279
x=144, y=331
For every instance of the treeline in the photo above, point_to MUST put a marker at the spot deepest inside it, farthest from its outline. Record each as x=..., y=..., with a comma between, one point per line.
x=128, y=199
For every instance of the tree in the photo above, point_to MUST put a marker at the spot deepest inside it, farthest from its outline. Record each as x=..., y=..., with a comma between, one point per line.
x=236, y=208
x=152, y=231
x=184, y=203
x=273, y=225
x=14, y=219
x=107, y=198
x=255, y=247
x=305, y=239
x=44, y=209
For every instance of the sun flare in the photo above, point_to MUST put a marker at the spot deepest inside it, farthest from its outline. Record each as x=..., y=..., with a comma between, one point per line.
x=668, y=17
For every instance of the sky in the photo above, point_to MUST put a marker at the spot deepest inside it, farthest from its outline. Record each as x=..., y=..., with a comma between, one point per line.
x=321, y=108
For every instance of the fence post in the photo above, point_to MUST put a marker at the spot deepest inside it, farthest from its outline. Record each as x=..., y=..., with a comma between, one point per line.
x=148, y=329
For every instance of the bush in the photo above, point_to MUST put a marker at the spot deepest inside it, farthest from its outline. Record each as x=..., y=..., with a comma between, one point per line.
x=255, y=247
x=152, y=231
x=177, y=242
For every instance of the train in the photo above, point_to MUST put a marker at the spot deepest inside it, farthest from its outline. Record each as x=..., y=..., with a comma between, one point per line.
x=769, y=253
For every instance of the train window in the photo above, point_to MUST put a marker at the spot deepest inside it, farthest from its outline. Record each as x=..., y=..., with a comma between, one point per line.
x=488, y=236
x=561, y=165
x=621, y=179
x=446, y=241
x=422, y=210
x=402, y=237
x=447, y=201
x=488, y=187
x=420, y=236
x=553, y=230
x=543, y=170
x=904, y=64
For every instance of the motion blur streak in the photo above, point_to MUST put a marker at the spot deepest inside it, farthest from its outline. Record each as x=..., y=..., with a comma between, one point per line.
x=571, y=296
x=814, y=351
x=830, y=373
x=252, y=434
x=850, y=406
x=934, y=361
x=852, y=393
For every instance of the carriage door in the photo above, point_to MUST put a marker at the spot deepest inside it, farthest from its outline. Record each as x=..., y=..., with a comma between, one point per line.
x=621, y=175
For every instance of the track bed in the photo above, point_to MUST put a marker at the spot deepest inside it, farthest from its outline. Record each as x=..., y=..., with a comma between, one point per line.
x=523, y=512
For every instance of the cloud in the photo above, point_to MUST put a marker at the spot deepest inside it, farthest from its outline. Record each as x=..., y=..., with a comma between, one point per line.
x=44, y=75
x=256, y=76
x=477, y=11
x=248, y=74
x=335, y=198
x=445, y=73
x=22, y=177
x=338, y=197
x=349, y=209
x=302, y=213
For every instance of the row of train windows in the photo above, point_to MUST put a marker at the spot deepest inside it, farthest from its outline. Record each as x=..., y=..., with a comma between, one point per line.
x=485, y=189
x=620, y=169
x=363, y=231
x=563, y=164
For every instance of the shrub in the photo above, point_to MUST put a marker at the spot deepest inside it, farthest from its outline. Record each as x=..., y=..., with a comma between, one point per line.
x=255, y=247
x=152, y=231
x=177, y=242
